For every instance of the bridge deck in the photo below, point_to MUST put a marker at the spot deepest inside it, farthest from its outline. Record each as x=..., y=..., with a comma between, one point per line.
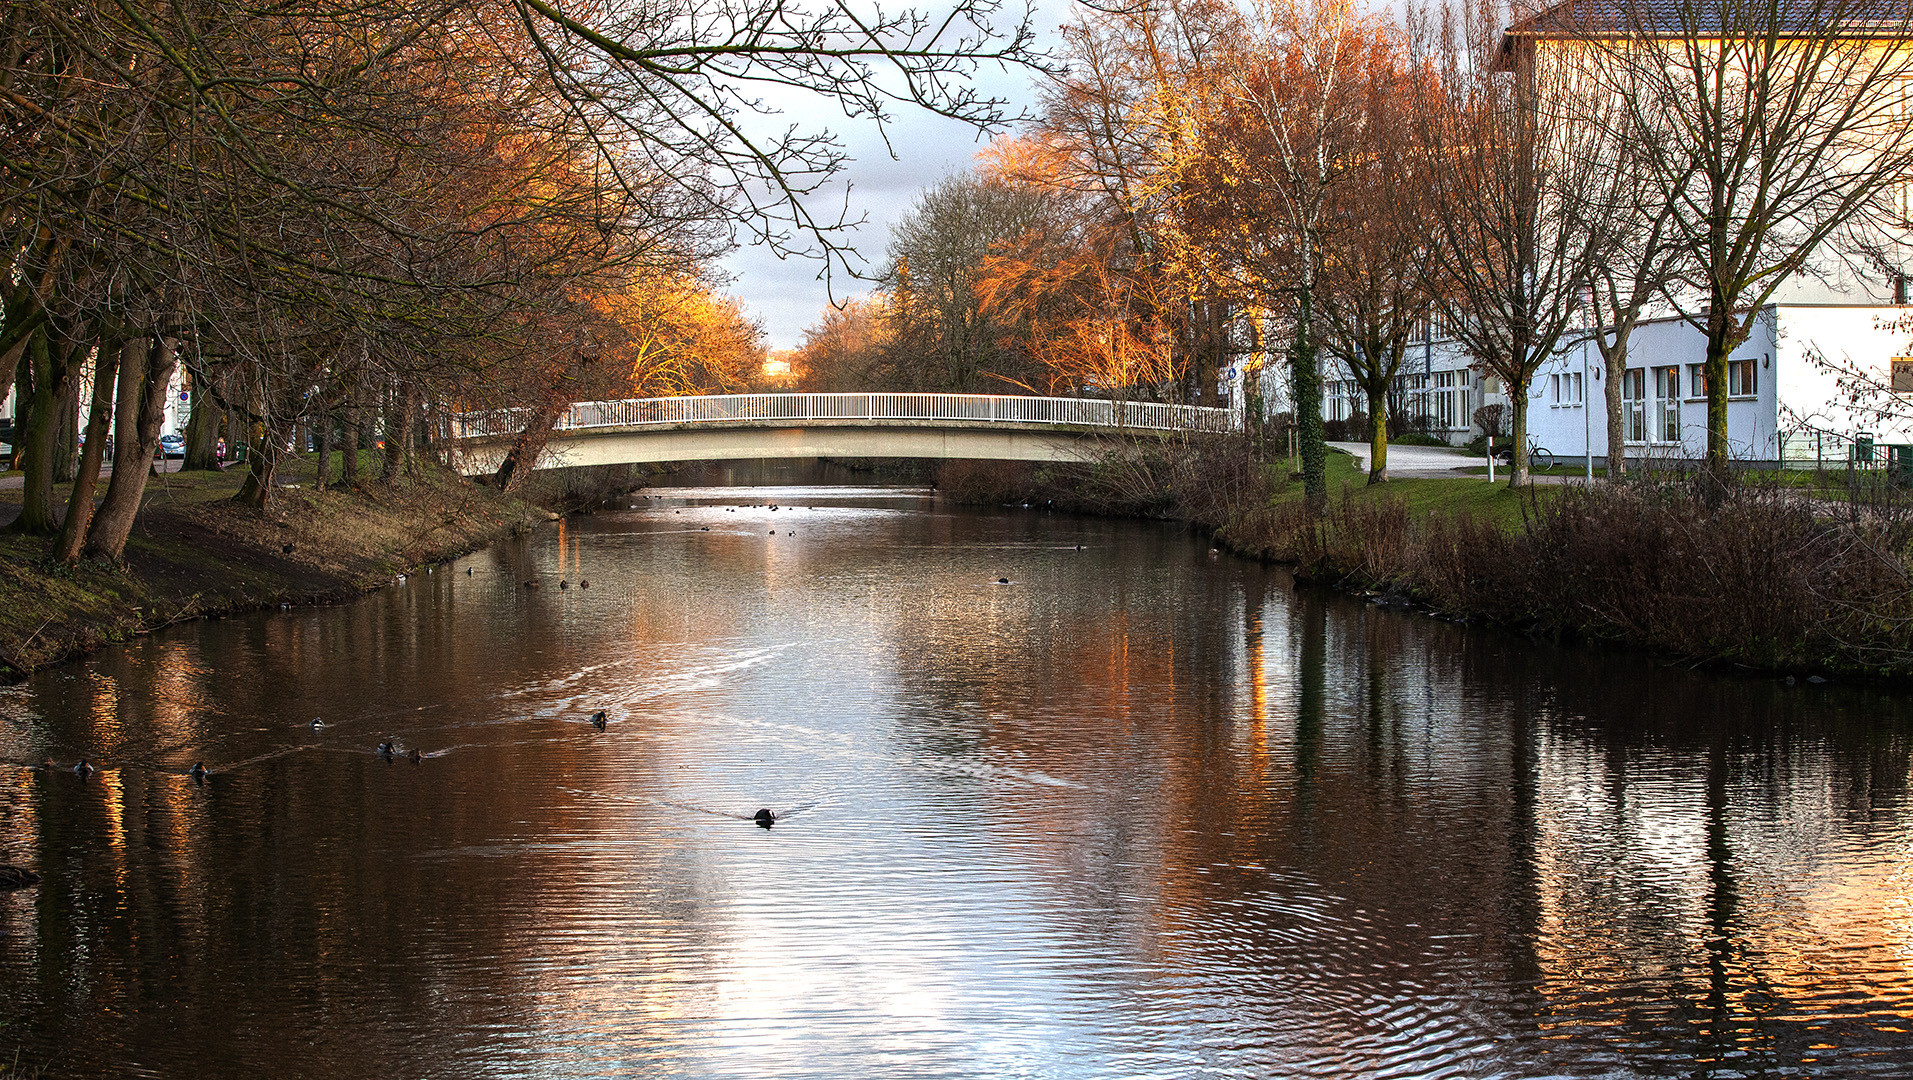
x=735, y=426
x=727, y=409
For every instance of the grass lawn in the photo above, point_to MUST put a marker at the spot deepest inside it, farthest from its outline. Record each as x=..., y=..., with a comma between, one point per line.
x=1495, y=502
x=203, y=486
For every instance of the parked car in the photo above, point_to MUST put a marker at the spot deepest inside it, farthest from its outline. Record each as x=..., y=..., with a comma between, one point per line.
x=171, y=446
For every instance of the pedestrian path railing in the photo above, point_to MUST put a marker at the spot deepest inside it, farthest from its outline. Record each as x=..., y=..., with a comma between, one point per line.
x=984, y=409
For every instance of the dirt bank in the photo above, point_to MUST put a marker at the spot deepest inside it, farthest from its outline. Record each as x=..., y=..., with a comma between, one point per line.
x=194, y=552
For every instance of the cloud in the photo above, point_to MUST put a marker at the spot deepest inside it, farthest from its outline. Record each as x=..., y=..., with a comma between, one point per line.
x=882, y=181
x=788, y=295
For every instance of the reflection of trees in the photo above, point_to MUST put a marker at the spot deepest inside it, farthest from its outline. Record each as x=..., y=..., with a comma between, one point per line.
x=1297, y=814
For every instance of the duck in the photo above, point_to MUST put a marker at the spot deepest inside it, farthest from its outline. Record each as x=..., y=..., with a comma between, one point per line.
x=417, y=758
x=564, y=583
x=765, y=819
x=385, y=750
x=468, y=571
x=82, y=769
x=317, y=724
x=584, y=583
x=197, y=772
x=1002, y=581
x=16, y=877
x=598, y=719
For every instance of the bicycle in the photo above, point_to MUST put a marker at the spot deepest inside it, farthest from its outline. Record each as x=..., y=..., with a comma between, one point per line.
x=1539, y=459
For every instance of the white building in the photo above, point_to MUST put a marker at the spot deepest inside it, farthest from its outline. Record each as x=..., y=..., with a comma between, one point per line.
x=1784, y=402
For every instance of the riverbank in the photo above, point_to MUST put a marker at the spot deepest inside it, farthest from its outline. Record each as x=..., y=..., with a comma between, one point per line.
x=1757, y=578
x=194, y=553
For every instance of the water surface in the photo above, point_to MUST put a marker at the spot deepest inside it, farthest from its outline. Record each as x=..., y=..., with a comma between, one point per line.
x=1146, y=810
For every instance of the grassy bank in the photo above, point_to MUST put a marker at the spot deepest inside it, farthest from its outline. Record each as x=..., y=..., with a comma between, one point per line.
x=1763, y=576
x=195, y=552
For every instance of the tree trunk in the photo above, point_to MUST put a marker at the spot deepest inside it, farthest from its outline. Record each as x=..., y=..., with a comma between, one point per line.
x=1305, y=380
x=397, y=430
x=322, y=429
x=202, y=430
x=408, y=426
x=1377, y=432
x=66, y=438
x=53, y=363
x=99, y=424
x=262, y=462
x=146, y=374
x=349, y=456
x=523, y=455
x=1518, y=408
x=34, y=438
x=1616, y=361
x=1721, y=342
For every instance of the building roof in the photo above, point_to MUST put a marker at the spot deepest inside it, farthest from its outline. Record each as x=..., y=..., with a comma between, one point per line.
x=1713, y=18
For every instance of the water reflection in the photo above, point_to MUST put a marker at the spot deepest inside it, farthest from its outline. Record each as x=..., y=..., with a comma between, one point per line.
x=1139, y=812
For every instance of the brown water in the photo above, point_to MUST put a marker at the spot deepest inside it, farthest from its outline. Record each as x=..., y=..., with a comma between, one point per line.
x=1144, y=811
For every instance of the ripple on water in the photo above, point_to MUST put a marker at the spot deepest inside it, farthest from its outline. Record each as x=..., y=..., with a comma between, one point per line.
x=1146, y=814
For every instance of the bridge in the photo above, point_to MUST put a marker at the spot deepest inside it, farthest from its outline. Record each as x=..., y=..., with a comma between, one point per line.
x=743, y=426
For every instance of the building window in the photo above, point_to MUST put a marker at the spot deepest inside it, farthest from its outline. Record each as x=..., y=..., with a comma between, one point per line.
x=1445, y=394
x=1634, y=403
x=1901, y=373
x=1740, y=378
x=1697, y=380
x=1667, y=416
x=1565, y=388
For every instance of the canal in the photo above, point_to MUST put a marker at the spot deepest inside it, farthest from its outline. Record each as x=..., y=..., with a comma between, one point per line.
x=1054, y=797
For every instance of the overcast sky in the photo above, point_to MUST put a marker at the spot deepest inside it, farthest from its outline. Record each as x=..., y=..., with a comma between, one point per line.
x=787, y=296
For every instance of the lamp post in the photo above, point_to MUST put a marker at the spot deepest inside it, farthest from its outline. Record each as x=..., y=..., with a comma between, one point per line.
x=1587, y=422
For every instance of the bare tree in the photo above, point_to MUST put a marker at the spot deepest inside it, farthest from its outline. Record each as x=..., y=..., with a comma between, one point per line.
x=1772, y=131
x=1512, y=255
x=1376, y=295
x=943, y=338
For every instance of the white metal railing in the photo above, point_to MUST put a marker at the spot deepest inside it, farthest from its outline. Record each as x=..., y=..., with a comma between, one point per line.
x=800, y=408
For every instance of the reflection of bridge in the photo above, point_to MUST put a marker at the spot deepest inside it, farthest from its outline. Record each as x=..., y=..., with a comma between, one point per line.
x=737, y=426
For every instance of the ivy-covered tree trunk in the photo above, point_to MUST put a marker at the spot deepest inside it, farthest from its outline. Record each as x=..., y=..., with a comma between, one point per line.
x=33, y=440
x=1377, y=432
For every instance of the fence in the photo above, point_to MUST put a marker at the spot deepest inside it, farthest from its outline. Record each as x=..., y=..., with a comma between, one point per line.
x=1831, y=450
x=802, y=408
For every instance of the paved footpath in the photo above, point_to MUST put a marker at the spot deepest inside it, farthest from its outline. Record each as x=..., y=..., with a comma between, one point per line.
x=1415, y=460
x=1407, y=461
x=106, y=470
